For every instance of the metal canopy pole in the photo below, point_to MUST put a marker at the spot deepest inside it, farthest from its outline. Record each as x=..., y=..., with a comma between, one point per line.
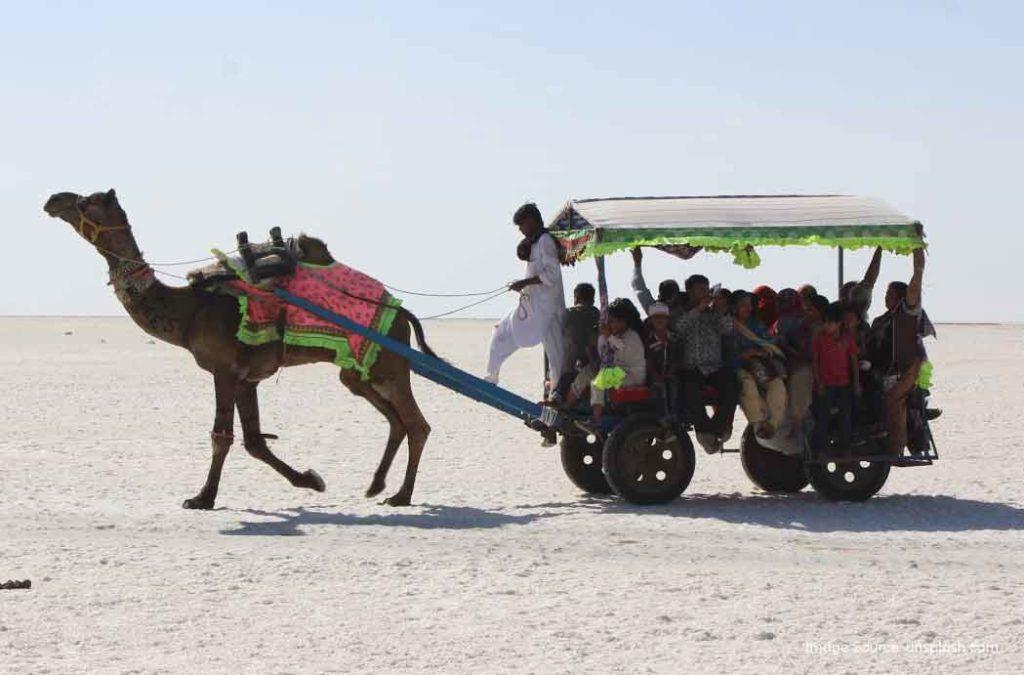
x=602, y=283
x=840, y=291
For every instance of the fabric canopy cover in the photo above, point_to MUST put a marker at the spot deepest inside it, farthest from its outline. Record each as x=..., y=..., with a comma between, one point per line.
x=594, y=227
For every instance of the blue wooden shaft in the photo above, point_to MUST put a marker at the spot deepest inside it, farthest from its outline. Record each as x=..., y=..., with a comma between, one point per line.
x=429, y=367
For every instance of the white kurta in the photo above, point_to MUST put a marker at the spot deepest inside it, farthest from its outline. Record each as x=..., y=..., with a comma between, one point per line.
x=537, y=317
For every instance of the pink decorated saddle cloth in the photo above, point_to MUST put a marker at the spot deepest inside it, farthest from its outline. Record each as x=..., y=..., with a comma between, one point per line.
x=336, y=287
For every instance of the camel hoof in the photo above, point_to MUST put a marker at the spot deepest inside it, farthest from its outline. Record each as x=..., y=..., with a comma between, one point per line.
x=397, y=500
x=376, y=487
x=315, y=481
x=197, y=503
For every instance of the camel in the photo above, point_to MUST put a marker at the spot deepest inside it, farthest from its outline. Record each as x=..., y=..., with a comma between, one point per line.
x=205, y=323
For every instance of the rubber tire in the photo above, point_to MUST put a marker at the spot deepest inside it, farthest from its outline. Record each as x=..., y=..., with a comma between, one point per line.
x=770, y=470
x=587, y=477
x=617, y=455
x=831, y=485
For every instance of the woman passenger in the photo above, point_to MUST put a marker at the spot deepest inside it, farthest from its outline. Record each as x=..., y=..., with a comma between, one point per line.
x=767, y=308
x=806, y=293
x=762, y=387
x=797, y=345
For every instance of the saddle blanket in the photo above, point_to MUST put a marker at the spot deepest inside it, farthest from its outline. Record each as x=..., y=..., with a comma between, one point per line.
x=337, y=287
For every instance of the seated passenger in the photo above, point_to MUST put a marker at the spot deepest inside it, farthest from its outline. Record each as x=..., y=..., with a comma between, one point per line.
x=668, y=290
x=836, y=379
x=622, y=358
x=663, y=358
x=723, y=301
x=799, y=354
x=581, y=325
x=722, y=306
x=766, y=306
x=806, y=293
x=866, y=404
x=790, y=313
x=897, y=351
x=854, y=326
x=857, y=294
x=761, y=374
x=700, y=330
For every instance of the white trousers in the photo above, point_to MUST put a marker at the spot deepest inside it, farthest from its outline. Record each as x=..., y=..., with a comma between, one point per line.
x=503, y=345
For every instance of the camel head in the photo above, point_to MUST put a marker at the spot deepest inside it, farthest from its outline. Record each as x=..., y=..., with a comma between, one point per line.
x=98, y=218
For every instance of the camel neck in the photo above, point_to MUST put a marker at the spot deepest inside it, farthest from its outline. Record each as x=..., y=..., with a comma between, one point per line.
x=163, y=312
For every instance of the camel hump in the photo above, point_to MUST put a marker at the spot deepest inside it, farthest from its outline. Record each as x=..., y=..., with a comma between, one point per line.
x=314, y=250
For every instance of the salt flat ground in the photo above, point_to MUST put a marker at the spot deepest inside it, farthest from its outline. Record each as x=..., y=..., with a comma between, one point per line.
x=500, y=565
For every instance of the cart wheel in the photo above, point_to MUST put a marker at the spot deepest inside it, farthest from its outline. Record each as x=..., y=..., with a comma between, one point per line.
x=645, y=463
x=768, y=469
x=581, y=460
x=848, y=481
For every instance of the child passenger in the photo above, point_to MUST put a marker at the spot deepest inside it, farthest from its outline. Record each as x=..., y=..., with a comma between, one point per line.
x=836, y=379
x=620, y=348
x=663, y=357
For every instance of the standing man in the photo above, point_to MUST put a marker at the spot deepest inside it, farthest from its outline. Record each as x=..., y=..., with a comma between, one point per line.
x=537, y=318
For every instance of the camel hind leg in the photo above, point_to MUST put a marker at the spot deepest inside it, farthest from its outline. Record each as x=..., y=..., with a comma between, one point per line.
x=398, y=392
x=396, y=432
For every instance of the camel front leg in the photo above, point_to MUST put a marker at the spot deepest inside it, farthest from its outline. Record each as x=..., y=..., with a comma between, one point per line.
x=221, y=438
x=256, y=442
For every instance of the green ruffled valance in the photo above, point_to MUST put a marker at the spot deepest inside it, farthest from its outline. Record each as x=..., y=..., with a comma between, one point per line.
x=740, y=242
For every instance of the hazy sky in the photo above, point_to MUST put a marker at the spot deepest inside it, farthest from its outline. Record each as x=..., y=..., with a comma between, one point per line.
x=405, y=134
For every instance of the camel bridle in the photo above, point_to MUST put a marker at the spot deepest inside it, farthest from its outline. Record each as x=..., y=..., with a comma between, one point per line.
x=97, y=228
x=129, y=274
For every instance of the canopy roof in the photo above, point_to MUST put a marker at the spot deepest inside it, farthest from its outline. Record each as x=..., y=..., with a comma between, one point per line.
x=589, y=227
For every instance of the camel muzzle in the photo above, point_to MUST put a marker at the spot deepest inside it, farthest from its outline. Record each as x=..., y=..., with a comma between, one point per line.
x=60, y=203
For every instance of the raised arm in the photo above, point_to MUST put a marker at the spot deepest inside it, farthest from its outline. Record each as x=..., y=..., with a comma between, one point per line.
x=914, y=287
x=643, y=294
x=871, y=275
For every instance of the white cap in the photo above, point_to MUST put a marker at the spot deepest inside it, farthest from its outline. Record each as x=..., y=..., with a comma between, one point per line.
x=658, y=309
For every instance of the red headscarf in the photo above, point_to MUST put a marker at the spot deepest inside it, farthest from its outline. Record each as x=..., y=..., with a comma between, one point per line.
x=767, y=305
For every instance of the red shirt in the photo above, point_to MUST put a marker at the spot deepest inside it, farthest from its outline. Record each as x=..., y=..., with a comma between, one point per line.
x=833, y=358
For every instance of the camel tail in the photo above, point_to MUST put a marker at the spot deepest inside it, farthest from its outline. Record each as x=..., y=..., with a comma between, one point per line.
x=417, y=328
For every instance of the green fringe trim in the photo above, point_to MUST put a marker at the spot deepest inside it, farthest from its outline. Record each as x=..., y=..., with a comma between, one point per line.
x=609, y=378
x=248, y=336
x=924, y=376
x=894, y=239
x=343, y=356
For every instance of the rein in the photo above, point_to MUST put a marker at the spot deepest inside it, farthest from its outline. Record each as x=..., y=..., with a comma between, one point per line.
x=128, y=266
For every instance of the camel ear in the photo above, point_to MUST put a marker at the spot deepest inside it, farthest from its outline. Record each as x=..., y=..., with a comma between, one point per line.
x=111, y=195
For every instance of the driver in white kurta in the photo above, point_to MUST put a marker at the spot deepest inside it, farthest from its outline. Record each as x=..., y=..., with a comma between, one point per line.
x=537, y=318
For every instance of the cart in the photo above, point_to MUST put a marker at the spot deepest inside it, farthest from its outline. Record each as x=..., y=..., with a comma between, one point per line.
x=645, y=455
